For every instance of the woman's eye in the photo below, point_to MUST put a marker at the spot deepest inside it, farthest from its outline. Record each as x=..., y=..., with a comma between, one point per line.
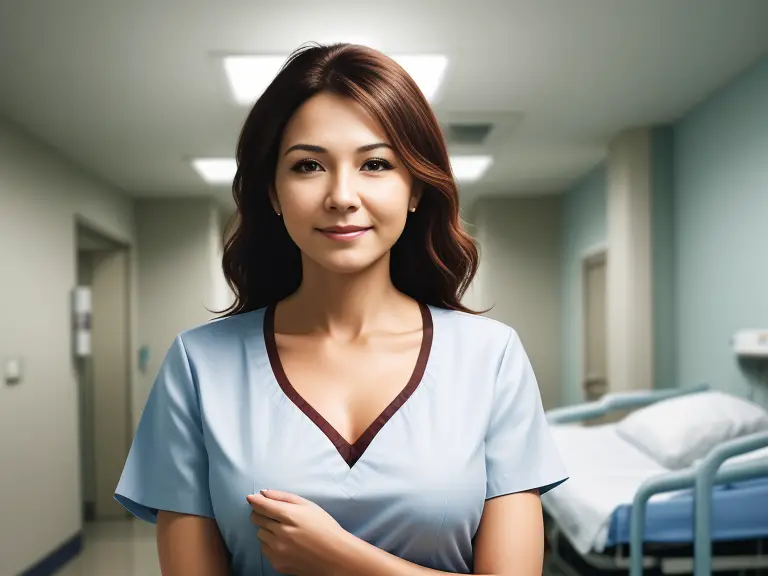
x=306, y=166
x=374, y=165
x=377, y=165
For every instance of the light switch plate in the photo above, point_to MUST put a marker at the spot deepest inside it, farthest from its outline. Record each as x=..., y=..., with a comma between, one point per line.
x=12, y=371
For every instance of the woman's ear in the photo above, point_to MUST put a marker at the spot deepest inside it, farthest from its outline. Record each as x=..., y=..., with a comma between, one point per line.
x=416, y=191
x=274, y=201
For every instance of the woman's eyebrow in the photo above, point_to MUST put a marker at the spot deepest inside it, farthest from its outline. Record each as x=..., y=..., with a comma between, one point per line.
x=321, y=150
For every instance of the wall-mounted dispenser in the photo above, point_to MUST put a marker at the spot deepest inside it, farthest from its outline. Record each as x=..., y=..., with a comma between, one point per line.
x=751, y=343
x=82, y=311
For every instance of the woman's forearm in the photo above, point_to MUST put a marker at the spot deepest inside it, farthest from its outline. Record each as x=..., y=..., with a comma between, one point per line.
x=356, y=556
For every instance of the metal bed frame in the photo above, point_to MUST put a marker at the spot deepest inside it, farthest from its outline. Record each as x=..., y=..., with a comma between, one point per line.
x=702, y=477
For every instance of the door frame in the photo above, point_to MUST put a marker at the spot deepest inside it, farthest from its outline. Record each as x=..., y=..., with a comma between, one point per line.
x=81, y=222
x=598, y=253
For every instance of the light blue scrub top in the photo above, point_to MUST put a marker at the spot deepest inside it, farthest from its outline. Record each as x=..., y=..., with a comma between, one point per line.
x=222, y=422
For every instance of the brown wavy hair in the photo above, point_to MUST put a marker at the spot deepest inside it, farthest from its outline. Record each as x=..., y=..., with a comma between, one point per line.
x=433, y=261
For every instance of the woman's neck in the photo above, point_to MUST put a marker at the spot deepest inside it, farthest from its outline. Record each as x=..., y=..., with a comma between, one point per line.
x=345, y=305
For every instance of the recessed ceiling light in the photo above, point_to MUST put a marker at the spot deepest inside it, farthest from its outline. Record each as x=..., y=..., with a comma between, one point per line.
x=249, y=76
x=470, y=168
x=216, y=171
x=426, y=70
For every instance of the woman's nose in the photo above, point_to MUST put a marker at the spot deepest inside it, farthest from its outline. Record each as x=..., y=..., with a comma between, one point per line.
x=342, y=195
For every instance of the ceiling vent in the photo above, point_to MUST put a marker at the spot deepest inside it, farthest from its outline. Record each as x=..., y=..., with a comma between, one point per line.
x=467, y=134
x=478, y=132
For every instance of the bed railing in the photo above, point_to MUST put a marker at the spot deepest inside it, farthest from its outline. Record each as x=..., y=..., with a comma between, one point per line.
x=702, y=477
x=615, y=402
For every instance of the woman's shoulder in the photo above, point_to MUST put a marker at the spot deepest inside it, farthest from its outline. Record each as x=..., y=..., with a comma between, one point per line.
x=473, y=331
x=224, y=334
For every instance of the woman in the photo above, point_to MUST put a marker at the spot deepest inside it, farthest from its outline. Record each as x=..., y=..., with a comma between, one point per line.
x=347, y=415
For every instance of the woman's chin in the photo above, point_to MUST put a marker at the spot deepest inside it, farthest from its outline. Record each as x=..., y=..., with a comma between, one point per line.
x=348, y=263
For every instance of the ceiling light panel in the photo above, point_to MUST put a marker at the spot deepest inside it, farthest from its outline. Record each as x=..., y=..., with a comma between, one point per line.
x=249, y=76
x=428, y=71
x=470, y=168
x=216, y=171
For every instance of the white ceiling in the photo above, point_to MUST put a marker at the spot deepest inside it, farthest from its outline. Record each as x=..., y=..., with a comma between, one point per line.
x=131, y=90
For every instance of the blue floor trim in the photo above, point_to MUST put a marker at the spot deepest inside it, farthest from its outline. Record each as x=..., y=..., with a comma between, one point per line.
x=57, y=559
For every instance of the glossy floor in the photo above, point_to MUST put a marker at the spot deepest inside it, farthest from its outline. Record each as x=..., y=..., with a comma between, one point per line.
x=120, y=548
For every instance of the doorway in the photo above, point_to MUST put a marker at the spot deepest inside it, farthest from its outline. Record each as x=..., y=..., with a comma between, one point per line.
x=595, y=374
x=102, y=357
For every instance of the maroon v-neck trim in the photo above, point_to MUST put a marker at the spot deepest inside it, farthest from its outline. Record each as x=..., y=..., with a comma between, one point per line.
x=351, y=453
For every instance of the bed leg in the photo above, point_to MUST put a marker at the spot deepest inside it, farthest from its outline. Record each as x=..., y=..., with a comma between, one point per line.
x=554, y=553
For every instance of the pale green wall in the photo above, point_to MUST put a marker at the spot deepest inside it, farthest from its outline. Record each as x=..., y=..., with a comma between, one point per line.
x=709, y=241
x=584, y=226
x=663, y=257
x=721, y=229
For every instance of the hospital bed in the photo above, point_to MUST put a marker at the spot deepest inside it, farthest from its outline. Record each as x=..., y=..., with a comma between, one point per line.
x=621, y=509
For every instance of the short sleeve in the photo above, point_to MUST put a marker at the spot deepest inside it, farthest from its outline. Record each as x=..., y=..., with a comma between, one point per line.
x=520, y=451
x=167, y=465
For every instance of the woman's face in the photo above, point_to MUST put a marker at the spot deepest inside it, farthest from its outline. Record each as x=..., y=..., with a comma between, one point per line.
x=342, y=191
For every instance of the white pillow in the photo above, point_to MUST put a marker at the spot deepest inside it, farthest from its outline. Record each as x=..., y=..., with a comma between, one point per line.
x=679, y=431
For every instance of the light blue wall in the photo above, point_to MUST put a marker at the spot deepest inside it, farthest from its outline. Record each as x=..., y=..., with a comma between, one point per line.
x=721, y=229
x=584, y=226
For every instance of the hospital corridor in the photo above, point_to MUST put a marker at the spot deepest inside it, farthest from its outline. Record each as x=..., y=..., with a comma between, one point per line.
x=607, y=159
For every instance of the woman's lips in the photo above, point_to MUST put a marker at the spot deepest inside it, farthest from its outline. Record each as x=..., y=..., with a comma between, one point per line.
x=344, y=233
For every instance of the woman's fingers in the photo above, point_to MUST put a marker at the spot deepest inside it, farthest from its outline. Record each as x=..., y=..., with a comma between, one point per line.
x=271, y=508
x=266, y=537
x=264, y=522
